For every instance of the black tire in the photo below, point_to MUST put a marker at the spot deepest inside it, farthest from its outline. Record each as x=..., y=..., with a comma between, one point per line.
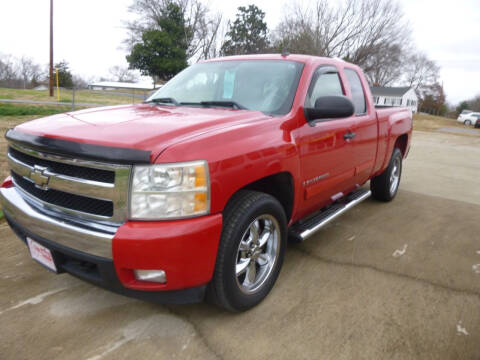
x=382, y=186
x=467, y=122
x=245, y=207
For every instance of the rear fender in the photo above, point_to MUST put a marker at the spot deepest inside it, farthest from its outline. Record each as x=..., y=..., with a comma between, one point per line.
x=400, y=124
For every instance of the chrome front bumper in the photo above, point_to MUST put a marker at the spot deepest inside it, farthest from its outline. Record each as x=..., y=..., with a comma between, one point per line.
x=64, y=233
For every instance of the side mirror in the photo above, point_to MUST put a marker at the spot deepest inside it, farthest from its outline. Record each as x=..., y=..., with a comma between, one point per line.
x=330, y=107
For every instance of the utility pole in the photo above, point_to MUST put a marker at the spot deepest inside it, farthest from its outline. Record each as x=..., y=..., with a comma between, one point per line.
x=51, y=49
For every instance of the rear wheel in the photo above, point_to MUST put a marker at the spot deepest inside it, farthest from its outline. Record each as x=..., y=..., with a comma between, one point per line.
x=467, y=122
x=250, y=252
x=384, y=187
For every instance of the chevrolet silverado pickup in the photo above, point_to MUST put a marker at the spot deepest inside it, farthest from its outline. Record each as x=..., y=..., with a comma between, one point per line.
x=193, y=193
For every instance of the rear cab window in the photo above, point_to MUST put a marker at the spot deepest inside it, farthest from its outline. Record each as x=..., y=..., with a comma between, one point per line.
x=358, y=94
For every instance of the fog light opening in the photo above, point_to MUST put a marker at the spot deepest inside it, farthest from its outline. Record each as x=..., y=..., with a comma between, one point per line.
x=151, y=275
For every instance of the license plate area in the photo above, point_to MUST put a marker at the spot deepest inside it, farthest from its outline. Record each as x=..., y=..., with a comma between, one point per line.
x=41, y=254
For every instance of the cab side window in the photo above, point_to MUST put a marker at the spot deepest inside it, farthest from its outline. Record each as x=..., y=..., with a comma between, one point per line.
x=325, y=82
x=358, y=96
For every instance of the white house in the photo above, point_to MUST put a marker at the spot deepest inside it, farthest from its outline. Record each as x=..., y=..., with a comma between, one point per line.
x=112, y=85
x=395, y=96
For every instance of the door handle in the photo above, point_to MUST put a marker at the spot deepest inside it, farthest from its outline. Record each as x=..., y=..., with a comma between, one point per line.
x=349, y=135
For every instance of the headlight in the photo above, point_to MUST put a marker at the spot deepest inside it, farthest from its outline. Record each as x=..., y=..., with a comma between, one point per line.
x=170, y=191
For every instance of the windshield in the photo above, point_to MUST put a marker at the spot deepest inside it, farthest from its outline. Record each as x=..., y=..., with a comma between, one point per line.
x=264, y=85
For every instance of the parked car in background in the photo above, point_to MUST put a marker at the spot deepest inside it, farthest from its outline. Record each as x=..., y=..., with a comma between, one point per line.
x=464, y=113
x=468, y=118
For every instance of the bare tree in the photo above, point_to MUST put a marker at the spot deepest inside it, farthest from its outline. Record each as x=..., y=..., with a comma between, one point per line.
x=201, y=28
x=472, y=104
x=475, y=103
x=365, y=32
x=19, y=73
x=420, y=72
x=29, y=71
x=210, y=29
x=385, y=65
x=8, y=70
x=122, y=74
x=79, y=82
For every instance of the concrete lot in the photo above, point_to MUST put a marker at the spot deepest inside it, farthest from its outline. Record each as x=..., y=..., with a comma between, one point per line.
x=385, y=281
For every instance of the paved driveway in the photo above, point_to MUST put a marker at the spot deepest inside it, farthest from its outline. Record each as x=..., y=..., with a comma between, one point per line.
x=385, y=281
x=460, y=131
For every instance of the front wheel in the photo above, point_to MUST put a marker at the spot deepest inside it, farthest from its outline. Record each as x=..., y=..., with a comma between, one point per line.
x=250, y=252
x=384, y=187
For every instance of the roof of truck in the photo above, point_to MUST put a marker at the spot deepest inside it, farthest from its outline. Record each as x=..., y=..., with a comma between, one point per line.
x=291, y=57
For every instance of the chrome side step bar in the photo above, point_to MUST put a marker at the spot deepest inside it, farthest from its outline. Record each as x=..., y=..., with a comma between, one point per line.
x=303, y=229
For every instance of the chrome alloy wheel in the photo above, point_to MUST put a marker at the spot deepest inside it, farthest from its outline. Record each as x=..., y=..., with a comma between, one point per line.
x=395, y=175
x=257, y=253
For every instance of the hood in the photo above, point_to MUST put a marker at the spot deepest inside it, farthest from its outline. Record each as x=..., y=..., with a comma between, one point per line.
x=144, y=127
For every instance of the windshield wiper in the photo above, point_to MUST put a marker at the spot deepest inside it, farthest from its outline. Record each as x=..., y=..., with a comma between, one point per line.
x=225, y=103
x=220, y=103
x=163, y=100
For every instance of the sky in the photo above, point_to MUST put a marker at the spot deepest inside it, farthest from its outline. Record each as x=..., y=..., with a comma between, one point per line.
x=89, y=34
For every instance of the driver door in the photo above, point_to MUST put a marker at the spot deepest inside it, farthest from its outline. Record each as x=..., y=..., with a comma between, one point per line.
x=326, y=154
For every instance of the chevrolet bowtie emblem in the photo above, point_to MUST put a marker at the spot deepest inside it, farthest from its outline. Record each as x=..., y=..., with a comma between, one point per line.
x=40, y=177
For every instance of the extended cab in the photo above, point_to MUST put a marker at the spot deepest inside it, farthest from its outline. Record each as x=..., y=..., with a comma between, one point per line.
x=196, y=191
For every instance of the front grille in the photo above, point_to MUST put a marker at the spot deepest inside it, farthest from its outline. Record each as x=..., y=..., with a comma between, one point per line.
x=65, y=200
x=81, y=172
x=91, y=191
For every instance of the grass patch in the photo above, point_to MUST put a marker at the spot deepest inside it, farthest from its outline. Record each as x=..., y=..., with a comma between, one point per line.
x=427, y=122
x=1, y=214
x=81, y=96
x=22, y=110
x=8, y=122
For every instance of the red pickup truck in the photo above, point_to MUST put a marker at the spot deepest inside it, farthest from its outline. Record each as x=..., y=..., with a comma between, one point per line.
x=195, y=192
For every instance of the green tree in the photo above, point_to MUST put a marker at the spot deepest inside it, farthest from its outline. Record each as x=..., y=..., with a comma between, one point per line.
x=162, y=53
x=463, y=106
x=65, y=78
x=248, y=34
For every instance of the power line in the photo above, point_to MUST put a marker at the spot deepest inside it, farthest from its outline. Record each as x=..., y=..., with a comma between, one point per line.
x=51, y=49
